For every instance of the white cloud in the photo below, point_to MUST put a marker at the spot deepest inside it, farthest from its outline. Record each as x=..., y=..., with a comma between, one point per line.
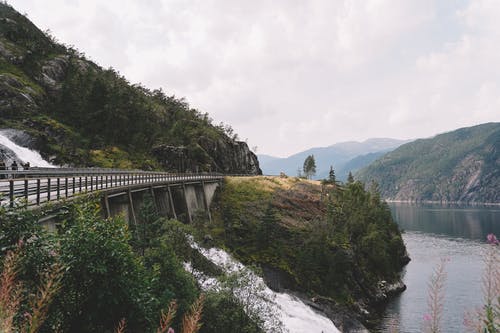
x=289, y=75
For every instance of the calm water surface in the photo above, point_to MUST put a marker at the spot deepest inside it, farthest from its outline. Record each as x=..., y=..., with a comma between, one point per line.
x=432, y=233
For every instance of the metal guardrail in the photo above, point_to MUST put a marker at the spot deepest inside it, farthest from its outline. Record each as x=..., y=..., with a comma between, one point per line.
x=38, y=186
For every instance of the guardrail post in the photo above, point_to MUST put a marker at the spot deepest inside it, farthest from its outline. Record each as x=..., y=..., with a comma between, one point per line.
x=26, y=190
x=58, y=188
x=66, y=187
x=11, y=192
x=91, y=183
x=48, y=189
x=38, y=192
x=86, y=183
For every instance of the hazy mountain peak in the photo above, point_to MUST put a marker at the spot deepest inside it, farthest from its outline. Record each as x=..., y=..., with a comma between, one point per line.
x=337, y=155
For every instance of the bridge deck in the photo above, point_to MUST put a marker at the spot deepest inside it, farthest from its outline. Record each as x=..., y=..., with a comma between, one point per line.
x=39, y=186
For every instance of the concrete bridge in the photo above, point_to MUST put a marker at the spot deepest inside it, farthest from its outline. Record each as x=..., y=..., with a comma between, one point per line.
x=122, y=192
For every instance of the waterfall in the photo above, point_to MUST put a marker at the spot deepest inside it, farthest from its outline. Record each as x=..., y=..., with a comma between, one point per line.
x=11, y=151
x=295, y=316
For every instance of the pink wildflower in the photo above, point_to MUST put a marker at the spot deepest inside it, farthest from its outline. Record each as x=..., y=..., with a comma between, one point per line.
x=170, y=330
x=492, y=239
x=427, y=317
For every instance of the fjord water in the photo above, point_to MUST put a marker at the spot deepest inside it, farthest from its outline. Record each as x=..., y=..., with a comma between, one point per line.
x=431, y=233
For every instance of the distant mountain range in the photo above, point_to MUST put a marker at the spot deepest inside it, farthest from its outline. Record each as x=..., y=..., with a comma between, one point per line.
x=344, y=157
x=459, y=166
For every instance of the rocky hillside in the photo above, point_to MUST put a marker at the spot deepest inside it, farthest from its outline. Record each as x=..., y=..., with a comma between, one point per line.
x=80, y=114
x=459, y=166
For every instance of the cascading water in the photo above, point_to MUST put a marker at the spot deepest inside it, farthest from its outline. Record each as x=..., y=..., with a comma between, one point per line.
x=295, y=316
x=11, y=151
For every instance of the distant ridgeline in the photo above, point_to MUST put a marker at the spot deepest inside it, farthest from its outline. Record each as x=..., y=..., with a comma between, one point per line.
x=345, y=157
x=459, y=166
x=80, y=114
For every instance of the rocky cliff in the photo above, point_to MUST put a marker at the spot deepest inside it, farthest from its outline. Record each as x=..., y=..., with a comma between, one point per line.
x=460, y=166
x=79, y=114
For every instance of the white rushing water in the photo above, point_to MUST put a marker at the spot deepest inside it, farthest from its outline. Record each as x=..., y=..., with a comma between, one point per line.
x=295, y=316
x=24, y=154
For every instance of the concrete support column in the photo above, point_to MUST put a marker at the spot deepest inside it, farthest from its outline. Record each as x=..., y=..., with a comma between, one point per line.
x=107, y=212
x=131, y=207
x=171, y=201
x=205, y=201
x=187, y=203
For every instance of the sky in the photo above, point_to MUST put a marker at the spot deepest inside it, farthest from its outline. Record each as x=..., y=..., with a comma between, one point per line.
x=289, y=75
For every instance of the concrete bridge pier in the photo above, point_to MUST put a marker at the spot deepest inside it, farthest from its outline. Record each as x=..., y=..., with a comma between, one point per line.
x=180, y=201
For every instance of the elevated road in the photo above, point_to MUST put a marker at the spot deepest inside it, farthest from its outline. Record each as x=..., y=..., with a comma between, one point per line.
x=39, y=186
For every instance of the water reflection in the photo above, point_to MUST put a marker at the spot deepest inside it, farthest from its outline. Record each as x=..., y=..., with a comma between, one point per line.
x=455, y=221
x=434, y=232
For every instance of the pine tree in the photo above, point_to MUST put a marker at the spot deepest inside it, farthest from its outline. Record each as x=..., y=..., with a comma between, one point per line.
x=350, y=178
x=331, y=176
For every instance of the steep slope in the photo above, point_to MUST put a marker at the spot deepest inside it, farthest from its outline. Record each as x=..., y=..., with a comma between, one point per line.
x=337, y=155
x=80, y=114
x=459, y=166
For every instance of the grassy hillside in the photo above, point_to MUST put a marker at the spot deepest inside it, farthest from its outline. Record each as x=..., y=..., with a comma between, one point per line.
x=459, y=166
x=81, y=114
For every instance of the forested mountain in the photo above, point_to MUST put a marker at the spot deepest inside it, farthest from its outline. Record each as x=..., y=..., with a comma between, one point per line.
x=80, y=114
x=459, y=166
x=338, y=155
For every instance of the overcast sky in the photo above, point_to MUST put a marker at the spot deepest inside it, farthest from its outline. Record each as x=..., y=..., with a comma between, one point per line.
x=290, y=75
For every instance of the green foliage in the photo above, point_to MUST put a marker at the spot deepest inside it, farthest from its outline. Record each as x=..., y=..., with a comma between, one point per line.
x=104, y=281
x=110, y=157
x=340, y=255
x=350, y=178
x=367, y=224
x=16, y=225
x=104, y=278
x=221, y=313
x=331, y=177
x=309, y=167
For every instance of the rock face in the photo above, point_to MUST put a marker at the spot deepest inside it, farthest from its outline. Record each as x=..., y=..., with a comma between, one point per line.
x=53, y=72
x=225, y=157
x=232, y=157
x=462, y=166
x=16, y=97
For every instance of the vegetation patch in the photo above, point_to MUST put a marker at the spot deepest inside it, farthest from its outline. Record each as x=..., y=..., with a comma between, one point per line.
x=334, y=240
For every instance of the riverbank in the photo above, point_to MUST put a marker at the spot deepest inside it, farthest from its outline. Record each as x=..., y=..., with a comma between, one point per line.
x=457, y=203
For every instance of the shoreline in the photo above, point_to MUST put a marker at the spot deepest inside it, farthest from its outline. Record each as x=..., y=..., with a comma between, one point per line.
x=435, y=202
